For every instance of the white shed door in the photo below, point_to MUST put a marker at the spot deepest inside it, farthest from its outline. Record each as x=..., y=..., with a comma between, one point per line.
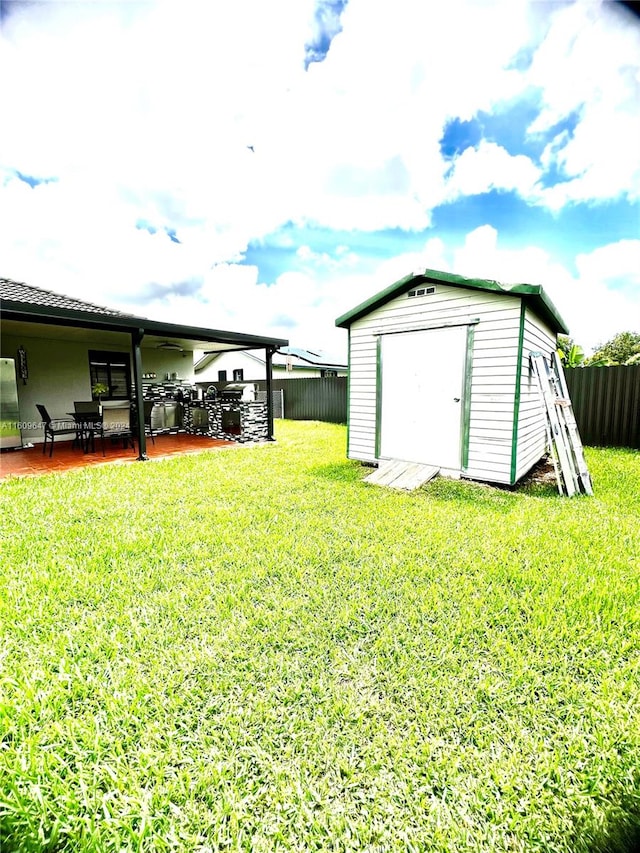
x=422, y=385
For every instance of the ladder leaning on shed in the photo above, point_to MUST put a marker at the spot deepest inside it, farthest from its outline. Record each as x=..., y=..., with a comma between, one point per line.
x=562, y=430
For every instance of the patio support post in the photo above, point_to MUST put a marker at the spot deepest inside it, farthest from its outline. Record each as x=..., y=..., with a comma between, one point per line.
x=136, y=340
x=269, y=356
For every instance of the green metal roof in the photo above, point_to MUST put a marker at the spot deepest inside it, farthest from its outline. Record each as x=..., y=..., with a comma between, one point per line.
x=532, y=294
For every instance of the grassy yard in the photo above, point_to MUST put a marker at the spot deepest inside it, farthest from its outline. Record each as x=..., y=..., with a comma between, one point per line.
x=251, y=649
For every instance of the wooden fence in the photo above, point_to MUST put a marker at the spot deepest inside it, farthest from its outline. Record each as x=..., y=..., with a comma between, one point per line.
x=606, y=403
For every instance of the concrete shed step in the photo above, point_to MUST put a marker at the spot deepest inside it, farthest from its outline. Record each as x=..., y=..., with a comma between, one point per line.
x=398, y=474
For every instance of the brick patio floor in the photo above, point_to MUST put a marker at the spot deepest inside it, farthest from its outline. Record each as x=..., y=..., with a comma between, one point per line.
x=30, y=461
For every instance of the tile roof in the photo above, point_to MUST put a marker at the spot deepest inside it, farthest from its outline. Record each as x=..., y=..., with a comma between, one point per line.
x=27, y=302
x=18, y=291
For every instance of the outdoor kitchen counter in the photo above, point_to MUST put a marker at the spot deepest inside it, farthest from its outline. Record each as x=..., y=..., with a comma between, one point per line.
x=232, y=420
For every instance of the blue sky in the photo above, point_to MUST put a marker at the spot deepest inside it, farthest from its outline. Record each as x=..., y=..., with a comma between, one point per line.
x=266, y=167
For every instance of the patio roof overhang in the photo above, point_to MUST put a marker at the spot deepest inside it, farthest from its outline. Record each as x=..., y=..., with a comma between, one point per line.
x=43, y=321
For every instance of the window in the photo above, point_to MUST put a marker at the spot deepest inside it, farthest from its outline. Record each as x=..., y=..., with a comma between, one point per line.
x=328, y=372
x=113, y=370
x=238, y=375
x=222, y=376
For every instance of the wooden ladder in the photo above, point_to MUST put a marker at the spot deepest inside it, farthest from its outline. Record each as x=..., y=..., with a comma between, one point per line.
x=562, y=430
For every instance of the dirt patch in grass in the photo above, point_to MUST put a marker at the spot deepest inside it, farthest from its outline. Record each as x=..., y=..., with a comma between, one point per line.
x=542, y=474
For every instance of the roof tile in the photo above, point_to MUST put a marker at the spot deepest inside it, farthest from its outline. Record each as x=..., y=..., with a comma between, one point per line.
x=18, y=291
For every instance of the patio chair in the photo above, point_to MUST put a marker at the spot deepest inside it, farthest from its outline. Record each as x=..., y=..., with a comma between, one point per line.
x=87, y=415
x=87, y=407
x=116, y=423
x=56, y=426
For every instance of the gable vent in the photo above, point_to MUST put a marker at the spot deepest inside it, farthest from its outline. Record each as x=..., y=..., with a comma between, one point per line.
x=421, y=291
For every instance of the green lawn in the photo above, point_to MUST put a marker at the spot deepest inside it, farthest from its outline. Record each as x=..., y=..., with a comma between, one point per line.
x=251, y=649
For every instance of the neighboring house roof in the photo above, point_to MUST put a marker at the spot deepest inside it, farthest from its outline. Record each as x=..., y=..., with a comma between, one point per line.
x=533, y=294
x=310, y=359
x=24, y=303
x=305, y=358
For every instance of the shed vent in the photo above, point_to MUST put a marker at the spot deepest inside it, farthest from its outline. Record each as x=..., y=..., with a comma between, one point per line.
x=421, y=291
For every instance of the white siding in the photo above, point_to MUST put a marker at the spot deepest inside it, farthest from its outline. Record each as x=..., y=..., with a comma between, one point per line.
x=252, y=366
x=532, y=442
x=493, y=374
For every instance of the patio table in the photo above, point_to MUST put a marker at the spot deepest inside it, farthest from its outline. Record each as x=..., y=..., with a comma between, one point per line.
x=114, y=422
x=87, y=423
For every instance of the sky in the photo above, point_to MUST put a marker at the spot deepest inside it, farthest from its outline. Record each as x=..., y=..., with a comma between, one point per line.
x=264, y=167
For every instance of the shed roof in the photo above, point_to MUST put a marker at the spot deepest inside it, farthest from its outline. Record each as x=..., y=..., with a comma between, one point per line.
x=532, y=294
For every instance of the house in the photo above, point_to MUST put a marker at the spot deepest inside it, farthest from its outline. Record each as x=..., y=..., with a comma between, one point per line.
x=287, y=363
x=439, y=374
x=67, y=345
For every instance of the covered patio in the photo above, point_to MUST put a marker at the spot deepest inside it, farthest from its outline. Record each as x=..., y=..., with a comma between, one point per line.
x=60, y=349
x=31, y=462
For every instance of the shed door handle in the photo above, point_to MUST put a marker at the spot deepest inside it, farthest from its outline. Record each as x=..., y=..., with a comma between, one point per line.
x=456, y=399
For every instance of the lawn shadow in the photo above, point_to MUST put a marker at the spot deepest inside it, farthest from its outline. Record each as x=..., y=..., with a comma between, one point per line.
x=490, y=495
x=341, y=472
x=623, y=836
x=13, y=839
x=540, y=482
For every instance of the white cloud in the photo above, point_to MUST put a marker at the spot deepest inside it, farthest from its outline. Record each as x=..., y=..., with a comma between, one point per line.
x=488, y=167
x=588, y=66
x=82, y=240
x=617, y=264
x=481, y=256
x=602, y=299
x=354, y=142
x=145, y=111
x=609, y=300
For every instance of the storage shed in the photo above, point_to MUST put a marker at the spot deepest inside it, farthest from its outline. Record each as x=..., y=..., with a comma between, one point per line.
x=439, y=374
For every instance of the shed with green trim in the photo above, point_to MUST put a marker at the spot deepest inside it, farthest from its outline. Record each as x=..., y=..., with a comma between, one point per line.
x=439, y=374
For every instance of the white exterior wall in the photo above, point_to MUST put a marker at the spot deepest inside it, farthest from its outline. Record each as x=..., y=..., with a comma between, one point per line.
x=281, y=372
x=494, y=368
x=254, y=368
x=532, y=441
x=59, y=374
